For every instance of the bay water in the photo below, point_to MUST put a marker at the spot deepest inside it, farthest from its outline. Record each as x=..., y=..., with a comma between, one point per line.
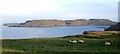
x=46, y=32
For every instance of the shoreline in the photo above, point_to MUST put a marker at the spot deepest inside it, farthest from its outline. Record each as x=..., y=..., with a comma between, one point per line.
x=53, y=26
x=89, y=32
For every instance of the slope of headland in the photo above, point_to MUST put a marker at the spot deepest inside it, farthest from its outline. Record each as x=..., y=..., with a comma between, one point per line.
x=78, y=22
x=115, y=27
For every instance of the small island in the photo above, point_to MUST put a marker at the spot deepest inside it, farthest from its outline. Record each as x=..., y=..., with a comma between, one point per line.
x=51, y=23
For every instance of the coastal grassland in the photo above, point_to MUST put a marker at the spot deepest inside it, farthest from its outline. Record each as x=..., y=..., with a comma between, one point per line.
x=93, y=43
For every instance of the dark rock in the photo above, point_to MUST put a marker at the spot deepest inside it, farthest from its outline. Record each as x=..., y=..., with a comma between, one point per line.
x=114, y=27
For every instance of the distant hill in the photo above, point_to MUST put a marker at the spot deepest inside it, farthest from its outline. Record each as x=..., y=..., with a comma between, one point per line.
x=114, y=27
x=11, y=24
x=78, y=22
x=101, y=22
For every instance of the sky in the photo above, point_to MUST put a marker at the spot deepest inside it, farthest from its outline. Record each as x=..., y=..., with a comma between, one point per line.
x=21, y=10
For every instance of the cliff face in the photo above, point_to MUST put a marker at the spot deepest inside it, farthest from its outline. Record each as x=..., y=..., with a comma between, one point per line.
x=114, y=27
x=78, y=22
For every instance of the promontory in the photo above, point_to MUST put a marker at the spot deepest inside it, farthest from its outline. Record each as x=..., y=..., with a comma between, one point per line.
x=50, y=23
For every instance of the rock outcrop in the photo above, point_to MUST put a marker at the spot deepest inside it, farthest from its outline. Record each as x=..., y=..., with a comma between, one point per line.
x=114, y=27
x=78, y=22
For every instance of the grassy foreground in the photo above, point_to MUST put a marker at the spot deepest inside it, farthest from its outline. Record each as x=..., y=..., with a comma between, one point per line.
x=93, y=43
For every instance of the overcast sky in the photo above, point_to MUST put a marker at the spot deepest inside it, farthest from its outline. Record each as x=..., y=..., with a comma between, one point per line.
x=22, y=10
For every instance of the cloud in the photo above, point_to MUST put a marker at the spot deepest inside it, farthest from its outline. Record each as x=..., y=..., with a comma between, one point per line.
x=93, y=9
x=57, y=9
x=13, y=7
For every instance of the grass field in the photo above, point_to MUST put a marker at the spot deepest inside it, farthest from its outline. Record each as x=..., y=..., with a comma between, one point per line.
x=93, y=43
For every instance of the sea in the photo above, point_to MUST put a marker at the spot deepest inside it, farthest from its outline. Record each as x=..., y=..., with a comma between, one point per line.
x=46, y=32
